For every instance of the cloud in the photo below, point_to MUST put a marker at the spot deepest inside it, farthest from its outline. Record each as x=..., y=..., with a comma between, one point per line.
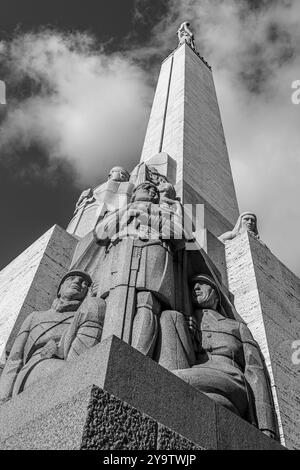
x=83, y=105
x=254, y=48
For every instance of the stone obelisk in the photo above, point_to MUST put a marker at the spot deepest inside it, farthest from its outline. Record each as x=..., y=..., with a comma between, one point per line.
x=185, y=123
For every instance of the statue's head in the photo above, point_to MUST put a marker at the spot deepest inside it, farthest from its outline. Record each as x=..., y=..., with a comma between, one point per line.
x=205, y=292
x=248, y=223
x=184, y=27
x=74, y=286
x=167, y=190
x=117, y=173
x=146, y=192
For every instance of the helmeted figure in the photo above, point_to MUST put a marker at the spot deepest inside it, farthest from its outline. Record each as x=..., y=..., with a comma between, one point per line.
x=217, y=354
x=247, y=222
x=47, y=339
x=138, y=279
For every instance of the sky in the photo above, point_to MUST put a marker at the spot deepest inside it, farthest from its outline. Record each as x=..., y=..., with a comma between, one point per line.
x=80, y=79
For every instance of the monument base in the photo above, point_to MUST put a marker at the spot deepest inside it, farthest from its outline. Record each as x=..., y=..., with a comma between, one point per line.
x=113, y=397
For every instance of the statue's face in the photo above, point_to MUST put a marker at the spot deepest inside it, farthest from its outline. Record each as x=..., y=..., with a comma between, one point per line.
x=118, y=174
x=147, y=193
x=167, y=190
x=204, y=295
x=74, y=288
x=249, y=223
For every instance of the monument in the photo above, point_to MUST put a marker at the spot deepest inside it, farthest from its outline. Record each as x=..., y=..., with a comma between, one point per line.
x=152, y=321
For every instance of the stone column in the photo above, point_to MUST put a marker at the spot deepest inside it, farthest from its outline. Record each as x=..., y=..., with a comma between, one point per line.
x=185, y=123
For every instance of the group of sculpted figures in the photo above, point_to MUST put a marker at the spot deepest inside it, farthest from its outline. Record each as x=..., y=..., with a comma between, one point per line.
x=136, y=293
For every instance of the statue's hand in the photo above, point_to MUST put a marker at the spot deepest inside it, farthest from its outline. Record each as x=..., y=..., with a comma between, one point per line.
x=193, y=327
x=49, y=350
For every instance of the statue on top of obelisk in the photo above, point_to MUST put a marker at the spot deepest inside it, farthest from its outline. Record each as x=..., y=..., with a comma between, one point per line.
x=247, y=222
x=186, y=35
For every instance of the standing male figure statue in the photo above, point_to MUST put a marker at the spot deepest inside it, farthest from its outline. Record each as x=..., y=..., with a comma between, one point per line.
x=138, y=281
x=46, y=339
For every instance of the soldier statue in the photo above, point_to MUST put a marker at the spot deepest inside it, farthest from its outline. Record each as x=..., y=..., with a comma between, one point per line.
x=217, y=355
x=138, y=281
x=47, y=339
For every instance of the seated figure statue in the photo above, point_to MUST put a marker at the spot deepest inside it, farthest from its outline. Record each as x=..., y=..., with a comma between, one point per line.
x=46, y=339
x=247, y=222
x=218, y=356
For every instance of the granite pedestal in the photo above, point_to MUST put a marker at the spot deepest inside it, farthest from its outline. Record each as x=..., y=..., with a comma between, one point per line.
x=113, y=397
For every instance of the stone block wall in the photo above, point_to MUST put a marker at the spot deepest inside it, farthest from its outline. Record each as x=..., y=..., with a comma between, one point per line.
x=267, y=296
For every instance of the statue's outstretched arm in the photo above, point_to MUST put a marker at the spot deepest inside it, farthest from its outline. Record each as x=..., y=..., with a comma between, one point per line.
x=257, y=378
x=15, y=361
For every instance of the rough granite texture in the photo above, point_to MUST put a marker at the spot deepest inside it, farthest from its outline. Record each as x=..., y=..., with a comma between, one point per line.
x=123, y=372
x=30, y=281
x=170, y=440
x=114, y=425
x=95, y=420
x=267, y=296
